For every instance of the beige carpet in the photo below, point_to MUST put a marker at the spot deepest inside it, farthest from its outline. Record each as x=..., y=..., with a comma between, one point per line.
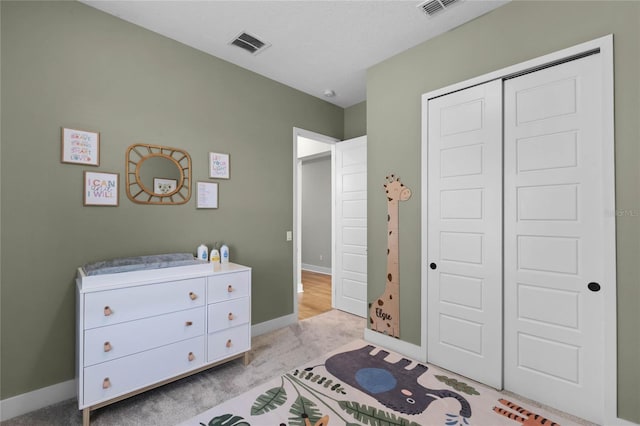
x=272, y=354
x=363, y=384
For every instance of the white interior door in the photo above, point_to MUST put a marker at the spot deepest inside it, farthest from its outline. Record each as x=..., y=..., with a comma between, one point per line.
x=464, y=237
x=350, y=254
x=553, y=229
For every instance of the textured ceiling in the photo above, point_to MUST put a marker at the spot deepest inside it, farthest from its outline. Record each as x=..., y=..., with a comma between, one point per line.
x=315, y=45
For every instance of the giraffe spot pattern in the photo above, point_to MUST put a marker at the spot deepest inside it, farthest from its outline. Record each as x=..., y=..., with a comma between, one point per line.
x=380, y=302
x=389, y=277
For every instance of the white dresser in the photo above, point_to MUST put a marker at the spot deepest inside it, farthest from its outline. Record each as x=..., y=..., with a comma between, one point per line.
x=142, y=329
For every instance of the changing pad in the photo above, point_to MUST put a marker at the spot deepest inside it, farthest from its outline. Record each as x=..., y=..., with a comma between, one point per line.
x=138, y=263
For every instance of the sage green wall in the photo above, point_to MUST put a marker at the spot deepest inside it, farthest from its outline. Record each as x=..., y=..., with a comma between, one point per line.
x=67, y=64
x=355, y=120
x=511, y=34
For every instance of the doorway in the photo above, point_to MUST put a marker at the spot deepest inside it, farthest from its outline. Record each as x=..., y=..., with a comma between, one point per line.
x=313, y=222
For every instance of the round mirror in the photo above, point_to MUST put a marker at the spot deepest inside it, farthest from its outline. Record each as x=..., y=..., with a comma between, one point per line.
x=158, y=174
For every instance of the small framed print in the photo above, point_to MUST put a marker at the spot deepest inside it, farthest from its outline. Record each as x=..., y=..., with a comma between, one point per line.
x=207, y=195
x=218, y=165
x=164, y=186
x=80, y=147
x=101, y=189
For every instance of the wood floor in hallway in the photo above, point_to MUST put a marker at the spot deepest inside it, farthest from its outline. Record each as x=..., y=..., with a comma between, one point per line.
x=316, y=297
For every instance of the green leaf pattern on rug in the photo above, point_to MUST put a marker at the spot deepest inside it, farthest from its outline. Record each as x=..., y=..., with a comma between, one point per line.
x=270, y=400
x=304, y=408
x=459, y=386
x=372, y=416
x=227, y=420
x=321, y=380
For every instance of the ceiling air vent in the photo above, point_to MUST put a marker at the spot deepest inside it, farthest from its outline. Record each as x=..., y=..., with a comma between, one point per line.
x=432, y=7
x=249, y=43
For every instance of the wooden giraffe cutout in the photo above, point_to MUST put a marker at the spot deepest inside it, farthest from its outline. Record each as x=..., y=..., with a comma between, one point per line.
x=384, y=312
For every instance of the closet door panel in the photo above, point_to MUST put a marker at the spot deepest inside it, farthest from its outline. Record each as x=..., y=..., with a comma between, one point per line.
x=464, y=248
x=553, y=237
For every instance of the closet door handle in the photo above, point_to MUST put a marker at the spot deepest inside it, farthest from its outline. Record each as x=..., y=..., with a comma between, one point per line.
x=433, y=265
x=192, y=295
x=191, y=356
x=593, y=286
x=231, y=317
x=106, y=383
x=107, y=347
x=188, y=323
x=228, y=345
x=107, y=311
x=230, y=289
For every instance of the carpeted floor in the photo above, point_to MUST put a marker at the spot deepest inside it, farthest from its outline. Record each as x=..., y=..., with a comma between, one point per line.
x=272, y=354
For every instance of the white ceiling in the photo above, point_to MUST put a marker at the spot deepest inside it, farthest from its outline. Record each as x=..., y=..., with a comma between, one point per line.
x=315, y=45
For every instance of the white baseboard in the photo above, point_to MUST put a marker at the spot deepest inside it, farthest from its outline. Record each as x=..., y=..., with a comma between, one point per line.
x=274, y=324
x=300, y=288
x=313, y=268
x=404, y=348
x=34, y=400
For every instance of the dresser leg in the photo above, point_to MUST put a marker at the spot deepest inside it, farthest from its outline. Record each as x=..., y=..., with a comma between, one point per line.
x=246, y=358
x=85, y=416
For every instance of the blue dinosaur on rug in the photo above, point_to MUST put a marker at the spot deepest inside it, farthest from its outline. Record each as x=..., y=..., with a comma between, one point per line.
x=391, y=384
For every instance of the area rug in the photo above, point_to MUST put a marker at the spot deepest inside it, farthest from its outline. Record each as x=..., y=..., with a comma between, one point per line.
x=361, y=384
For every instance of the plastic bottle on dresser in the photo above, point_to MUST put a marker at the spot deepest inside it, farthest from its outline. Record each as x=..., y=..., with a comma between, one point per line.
x=214, y=257
x=203, y=252
x=224, y=254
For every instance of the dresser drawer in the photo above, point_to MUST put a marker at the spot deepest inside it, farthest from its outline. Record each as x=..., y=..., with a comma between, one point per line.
x=126, y=304
x=121, y=376
x=229, y=342
x=228, y=314
x=228, y=286
x=115, y=341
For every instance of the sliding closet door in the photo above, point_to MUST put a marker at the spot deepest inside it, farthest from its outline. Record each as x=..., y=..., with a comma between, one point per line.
x=464, y=232
x=553, y=230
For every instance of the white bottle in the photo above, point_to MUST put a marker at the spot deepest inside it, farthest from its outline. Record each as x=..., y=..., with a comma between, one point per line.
x=215, y=256
x=203, y=252
x=224, y=254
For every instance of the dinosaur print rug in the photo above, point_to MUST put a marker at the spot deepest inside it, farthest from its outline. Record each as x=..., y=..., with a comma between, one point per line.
x=361, y=384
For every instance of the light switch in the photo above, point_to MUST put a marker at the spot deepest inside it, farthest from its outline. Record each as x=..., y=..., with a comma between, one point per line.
x=289, y=235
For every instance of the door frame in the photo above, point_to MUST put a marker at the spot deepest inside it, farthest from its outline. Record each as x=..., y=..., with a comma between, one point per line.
x=297, y=210
x=603, y=45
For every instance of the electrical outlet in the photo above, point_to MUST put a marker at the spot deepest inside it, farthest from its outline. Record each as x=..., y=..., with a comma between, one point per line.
x=289, y=235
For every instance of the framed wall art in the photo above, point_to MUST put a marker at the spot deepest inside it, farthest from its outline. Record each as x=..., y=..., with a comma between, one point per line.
x=80, y=147
x=164, y=186
x=218, y=165
x=207, y=195
x=101, y=189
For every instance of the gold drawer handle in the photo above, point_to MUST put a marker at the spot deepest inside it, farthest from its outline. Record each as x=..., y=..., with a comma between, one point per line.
x=188, y=323
x=228, y=343
x=231, y=317
x=107, y=311
x=106, y=383
x=192, y=295
x=191, y=356
x=230, y=289
x=107, y=346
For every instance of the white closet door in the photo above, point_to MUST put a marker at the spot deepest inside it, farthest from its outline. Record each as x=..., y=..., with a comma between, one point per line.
x=464, y=241
x=553, y=229
x=350, y=270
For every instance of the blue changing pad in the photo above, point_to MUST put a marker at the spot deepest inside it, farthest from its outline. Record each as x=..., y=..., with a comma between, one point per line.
x=138, y=263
